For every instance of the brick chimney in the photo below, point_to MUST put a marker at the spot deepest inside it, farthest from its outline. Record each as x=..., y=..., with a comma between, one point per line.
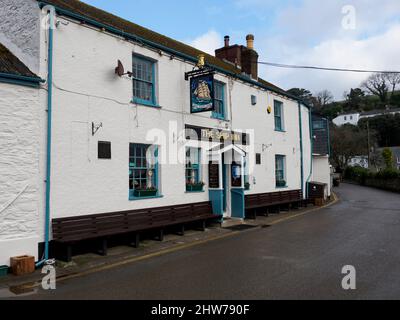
x=243, y=57
x=250, y=58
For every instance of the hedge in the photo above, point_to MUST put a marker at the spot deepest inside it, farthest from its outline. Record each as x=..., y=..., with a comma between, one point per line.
x=388, y=179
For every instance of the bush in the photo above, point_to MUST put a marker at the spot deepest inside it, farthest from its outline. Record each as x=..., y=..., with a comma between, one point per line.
x=357, y=174
x=388, y=174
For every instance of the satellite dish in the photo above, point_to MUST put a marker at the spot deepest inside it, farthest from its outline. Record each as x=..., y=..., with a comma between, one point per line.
x=119, y=70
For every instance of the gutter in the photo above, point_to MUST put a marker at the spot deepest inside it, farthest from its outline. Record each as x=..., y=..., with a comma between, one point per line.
x=49, y=125
x=33, y=82
x=311, y=150
x=155, y=45
x=301, y=149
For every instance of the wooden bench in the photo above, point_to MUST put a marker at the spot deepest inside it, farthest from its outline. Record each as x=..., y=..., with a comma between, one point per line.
x=70, y=230
x=267, y=200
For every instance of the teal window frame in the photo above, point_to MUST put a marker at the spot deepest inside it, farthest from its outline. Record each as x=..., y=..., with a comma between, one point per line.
x=278, y=116
x=280, y=170
x=152, y=101
x=219, y=101
x=138, y=164
x=192, y=170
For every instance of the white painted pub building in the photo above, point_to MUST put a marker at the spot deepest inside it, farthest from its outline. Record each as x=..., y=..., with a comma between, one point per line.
x=101, y=120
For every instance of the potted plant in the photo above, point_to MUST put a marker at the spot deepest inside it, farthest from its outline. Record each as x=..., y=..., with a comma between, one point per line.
x=196, y=186
x=281, y=183
x=147, y=192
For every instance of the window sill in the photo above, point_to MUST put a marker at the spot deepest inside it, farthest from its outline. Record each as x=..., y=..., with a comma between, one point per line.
x=280, y=130
x=284, y=187
x=146, y=103
x=132, y=198
x=218, y=117
x=195, y=191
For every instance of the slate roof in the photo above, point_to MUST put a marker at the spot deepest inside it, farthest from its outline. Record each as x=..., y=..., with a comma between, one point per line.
x=100, y=16
x=10, y=64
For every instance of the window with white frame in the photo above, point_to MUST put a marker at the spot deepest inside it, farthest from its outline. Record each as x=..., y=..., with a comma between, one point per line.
x=143, y=75
x=278, y=113
x=143, y=170
x=219, y=100
x=280, y=171
x=193, y=170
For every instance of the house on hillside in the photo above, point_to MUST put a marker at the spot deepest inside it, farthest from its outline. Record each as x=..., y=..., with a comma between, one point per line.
x=354, y=117
x=129, y=123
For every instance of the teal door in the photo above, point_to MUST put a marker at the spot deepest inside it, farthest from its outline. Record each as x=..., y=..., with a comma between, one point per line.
x=237, y=196
x=224, y=186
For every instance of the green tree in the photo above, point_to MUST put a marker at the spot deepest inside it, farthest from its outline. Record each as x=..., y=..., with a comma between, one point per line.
x=303, y=94
x=388, y=158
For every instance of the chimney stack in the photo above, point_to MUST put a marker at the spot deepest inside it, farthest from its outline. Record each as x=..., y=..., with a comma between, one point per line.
x=243, y=57
x=250, y=41
x=226, y=40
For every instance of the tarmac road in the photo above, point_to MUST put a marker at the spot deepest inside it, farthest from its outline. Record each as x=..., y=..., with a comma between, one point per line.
x=301, y=258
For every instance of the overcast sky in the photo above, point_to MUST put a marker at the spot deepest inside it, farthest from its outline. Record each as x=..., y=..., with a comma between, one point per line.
x=362, y=34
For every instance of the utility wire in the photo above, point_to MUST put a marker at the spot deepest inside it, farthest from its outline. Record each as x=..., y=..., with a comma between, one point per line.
x=280, y=65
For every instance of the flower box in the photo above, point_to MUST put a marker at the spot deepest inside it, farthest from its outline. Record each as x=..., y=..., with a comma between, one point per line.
x=197, y=187
x=281, y=183
x=145, y=193
x=3, y=271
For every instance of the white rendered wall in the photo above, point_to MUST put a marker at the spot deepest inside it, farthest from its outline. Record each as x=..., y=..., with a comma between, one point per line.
x=19, y=170
x=322, y=172
x=87, y=90
x=19, y=30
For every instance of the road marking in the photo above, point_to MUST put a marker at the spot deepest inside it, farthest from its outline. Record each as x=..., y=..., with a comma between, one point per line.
x=174, y=249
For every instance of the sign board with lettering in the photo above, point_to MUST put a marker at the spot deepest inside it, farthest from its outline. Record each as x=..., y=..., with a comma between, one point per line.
x=216, y=135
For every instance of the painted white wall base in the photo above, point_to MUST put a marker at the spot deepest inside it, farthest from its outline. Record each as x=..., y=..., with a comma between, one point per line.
x=18, y=247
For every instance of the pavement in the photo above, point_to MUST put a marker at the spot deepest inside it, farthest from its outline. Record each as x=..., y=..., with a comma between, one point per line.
x=294, y=255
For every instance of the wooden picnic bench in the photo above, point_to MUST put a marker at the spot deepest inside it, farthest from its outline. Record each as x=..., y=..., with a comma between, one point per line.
x=70, y=230
x=293, y=198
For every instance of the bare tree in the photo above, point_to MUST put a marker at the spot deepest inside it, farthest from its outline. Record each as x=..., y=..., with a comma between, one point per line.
x=394, y=79
x=377, y=84
x=323, y=98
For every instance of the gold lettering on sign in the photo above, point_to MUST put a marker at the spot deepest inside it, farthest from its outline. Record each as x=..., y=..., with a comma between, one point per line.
x=218, y=135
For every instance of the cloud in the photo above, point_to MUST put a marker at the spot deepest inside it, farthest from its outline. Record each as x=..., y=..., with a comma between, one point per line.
x=207, y=42
x=310, y=32
x=379, y=52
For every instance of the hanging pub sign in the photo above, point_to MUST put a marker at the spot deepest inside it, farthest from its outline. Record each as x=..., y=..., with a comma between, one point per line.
x=202, y=93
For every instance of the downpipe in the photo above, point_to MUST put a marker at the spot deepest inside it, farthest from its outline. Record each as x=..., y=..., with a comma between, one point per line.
x=311, y=151
x=51, y=13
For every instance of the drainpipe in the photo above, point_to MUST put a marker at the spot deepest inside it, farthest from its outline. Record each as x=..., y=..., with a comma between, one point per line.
x=301, y=148
x=51, y=13
x=311, y=150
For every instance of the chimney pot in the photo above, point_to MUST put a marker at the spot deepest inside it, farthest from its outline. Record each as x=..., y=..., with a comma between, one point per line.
x=250, y=41
x=226, y=40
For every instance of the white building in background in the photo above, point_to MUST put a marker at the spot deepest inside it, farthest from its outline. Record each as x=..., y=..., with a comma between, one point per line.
x=102, y=125
x=354, y=118
x=347, y=118
x=359, y=161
